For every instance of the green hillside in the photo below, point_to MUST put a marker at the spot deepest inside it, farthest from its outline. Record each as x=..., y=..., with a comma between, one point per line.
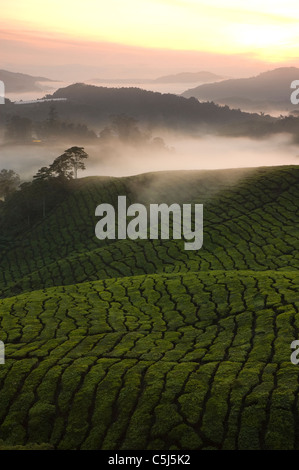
x=140, y=344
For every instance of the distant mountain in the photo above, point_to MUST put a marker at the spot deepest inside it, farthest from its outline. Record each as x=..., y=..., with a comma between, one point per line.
x=190, y=77
x=185, y=77
x=20, y=82
x=123, y=81
x=272, y=88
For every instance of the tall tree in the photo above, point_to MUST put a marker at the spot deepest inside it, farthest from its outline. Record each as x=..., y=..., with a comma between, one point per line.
x=41, y=181
x=43, y=174
x=52, y=123
x=68, y=164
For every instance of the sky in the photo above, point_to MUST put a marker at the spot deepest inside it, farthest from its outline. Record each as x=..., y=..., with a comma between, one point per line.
x=147, y=38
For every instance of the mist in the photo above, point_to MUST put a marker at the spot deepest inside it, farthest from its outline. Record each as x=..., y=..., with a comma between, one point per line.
x=207, y=153
x=181, y=153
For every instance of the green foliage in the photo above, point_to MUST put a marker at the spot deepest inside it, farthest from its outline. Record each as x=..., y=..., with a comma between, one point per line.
x=135, y=345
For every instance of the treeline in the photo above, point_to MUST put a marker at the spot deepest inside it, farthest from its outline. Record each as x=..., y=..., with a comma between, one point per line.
x=20, y=129
x=95, y=105
x=24, y=204
x=126, y=130
x=172, y=111
x=256, y=129
x=91, y=108
x=121, y=128
x=147, y=106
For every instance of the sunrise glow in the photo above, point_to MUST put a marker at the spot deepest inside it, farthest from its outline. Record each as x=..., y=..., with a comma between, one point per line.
x=266, y=29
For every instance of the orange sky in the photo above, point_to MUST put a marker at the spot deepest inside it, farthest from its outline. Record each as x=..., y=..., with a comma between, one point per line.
x=148, y=37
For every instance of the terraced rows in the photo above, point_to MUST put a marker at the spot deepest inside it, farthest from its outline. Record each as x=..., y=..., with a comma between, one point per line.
x=251, y=224
x=185, y=361
x=142, y=345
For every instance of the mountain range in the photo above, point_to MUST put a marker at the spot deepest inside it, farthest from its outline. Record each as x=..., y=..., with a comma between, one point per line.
x=266, y=90
x=184, y=77
x=22, y=83
x=189, y=77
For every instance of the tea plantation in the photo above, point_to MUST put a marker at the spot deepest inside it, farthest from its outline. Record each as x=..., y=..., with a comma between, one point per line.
x=123, y=344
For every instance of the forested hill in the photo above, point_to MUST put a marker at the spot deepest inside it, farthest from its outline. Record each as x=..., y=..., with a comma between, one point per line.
x=94, y=107
x=145, y=105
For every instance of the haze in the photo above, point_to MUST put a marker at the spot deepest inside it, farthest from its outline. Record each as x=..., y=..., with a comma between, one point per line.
x=74, y=41
x=209, y=152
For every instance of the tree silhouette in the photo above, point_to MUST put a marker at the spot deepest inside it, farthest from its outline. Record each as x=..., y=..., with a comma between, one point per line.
x=43, y=174
x=41, y=183
x=52, y=122
x=68, y=164
x=127, y=130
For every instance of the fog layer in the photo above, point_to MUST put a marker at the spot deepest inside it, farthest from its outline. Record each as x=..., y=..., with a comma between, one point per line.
x=183, y=153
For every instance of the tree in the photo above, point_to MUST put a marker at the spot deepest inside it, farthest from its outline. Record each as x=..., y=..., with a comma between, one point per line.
x=9, y=182
x=68, y=164
x=43, y=174
x=127, y=130
x=52, y=123
x=41, y=182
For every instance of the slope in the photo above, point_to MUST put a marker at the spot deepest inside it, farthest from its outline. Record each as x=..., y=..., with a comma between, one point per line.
x=272, y=87
x=250, y=222
x=143, y=345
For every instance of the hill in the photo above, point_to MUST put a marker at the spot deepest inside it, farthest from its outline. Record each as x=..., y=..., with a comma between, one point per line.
x=95, y=105
x=225, y=237
x=189, y=77
x=147, y=106
x=20, y=82
x=184, y=77
x=170, y=349
x=269, y=89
